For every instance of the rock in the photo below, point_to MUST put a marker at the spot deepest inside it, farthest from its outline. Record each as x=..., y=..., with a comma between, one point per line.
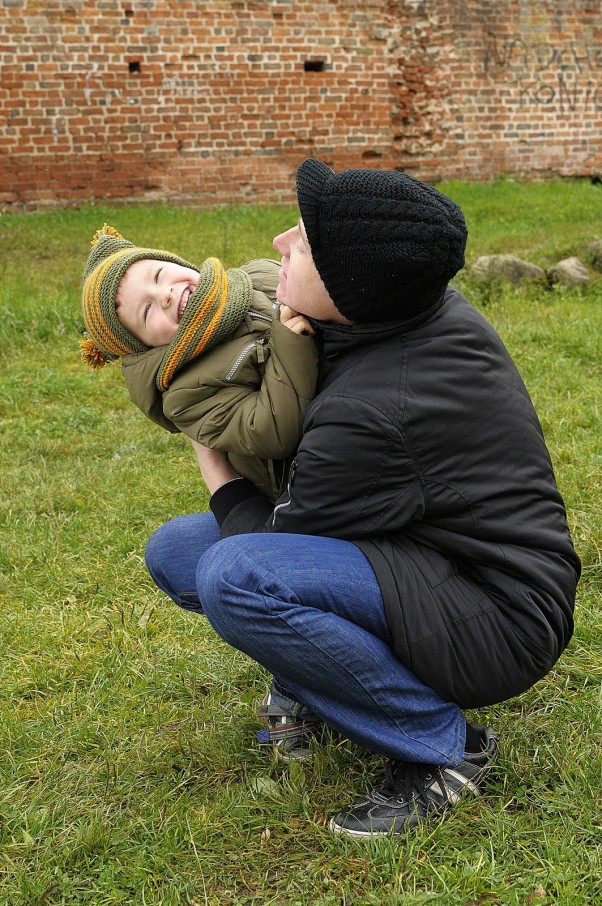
x=594, y=250
x=507, y=267
x=569, y=272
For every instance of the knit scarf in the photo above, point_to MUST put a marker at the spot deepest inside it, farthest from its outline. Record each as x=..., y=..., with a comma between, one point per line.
x=215, y=309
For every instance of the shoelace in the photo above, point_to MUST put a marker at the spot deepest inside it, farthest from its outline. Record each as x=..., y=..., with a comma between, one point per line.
x=412, y=782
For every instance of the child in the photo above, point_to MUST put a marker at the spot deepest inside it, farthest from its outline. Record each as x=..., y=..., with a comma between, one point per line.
x=204, y=351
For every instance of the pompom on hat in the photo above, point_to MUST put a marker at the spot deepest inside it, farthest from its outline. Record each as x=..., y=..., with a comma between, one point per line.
x=109, y=259
x=384, y=243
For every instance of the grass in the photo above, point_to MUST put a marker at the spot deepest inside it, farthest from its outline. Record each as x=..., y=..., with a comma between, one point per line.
x=128, y=769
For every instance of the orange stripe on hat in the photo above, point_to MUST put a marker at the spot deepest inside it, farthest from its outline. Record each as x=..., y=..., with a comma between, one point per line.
x=215, y=319
x=212, y=293
x=97, y=324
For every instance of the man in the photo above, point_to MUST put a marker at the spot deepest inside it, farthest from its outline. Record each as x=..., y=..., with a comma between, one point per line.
x=419, y=562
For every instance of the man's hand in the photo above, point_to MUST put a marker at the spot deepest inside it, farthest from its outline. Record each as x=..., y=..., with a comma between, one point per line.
x=295, y=322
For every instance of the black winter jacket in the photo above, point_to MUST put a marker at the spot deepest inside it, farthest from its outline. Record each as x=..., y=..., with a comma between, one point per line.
x=423, y=448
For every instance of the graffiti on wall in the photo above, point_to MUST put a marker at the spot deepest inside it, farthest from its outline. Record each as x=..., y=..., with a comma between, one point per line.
x=565, y=77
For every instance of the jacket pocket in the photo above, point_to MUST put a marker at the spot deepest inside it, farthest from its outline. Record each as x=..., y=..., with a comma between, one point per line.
x=255, y=350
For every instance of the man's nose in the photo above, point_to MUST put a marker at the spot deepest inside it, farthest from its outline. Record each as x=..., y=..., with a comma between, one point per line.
x=282, y=241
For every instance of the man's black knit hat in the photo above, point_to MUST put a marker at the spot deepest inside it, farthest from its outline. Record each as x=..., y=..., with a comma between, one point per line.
x=384, y=243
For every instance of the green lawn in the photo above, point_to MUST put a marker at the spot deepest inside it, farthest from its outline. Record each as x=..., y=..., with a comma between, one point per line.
x=128, y=767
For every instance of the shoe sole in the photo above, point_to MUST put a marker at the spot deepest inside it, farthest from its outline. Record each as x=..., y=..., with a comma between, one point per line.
x=286, y=758
x=358, y=835
x=343, y=831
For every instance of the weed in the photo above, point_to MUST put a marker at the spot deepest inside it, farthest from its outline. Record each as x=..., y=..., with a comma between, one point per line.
x=129, y=771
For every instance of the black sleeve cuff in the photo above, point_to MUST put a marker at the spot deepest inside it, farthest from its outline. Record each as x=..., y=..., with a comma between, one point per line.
x=229, y=495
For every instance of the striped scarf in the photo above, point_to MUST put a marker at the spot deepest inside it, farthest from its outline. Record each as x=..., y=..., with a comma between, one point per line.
x=215, y=309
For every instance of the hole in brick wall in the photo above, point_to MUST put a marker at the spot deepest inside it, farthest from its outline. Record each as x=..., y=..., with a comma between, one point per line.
x=134, y=66
x=129, y=13
x=314, y=66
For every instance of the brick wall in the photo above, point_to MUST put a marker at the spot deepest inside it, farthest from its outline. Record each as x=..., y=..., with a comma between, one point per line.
x=498, y=87
x=217, y=101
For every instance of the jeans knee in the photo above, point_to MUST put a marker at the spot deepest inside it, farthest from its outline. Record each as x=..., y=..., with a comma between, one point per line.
x=226, y=583
x=172, y=563
x=155, y=555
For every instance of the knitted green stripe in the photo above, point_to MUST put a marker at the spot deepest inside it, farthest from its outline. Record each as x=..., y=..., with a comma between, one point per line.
x=214, y=311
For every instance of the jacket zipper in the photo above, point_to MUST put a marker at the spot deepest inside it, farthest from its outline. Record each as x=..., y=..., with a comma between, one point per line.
x=285, y=503
x=242, y=356
x=260, y=316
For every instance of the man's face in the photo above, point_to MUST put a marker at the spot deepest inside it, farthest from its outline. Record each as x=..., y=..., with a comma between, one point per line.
x=152, y=298
x=300, y=285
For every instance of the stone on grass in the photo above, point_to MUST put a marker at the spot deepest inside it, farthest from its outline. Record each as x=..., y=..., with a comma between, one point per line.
x=569, y=272
x=508, y=268
x=594, y=250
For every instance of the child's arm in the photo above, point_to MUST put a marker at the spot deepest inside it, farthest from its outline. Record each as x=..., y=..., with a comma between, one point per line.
x=215, y=467
x=257, y=410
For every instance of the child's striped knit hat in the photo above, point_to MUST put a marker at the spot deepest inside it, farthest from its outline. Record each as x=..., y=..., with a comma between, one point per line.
x=215, y=309
x=109, y=259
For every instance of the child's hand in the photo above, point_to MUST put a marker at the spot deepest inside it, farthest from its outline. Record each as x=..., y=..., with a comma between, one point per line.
x=294, y=321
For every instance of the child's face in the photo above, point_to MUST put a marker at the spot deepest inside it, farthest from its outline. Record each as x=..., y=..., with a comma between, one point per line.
x=152, y=297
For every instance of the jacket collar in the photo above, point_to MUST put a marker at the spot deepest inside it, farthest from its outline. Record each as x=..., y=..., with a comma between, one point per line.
x=337, y=338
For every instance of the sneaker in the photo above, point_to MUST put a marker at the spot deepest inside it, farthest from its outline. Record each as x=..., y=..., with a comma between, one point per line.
x=413, y=792
x=290, y=728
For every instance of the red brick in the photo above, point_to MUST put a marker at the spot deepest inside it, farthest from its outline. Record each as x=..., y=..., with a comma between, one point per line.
x=223, y=110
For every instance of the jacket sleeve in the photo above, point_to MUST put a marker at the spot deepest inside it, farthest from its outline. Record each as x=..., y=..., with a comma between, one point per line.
x=259, y=414
x=352, y=478
x=139, y=371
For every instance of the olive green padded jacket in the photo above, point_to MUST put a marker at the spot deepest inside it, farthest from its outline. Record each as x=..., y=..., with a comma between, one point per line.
x=244, y=396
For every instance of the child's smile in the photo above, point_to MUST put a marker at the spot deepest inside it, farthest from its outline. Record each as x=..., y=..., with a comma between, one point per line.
x=152, y=298
x=187, y=293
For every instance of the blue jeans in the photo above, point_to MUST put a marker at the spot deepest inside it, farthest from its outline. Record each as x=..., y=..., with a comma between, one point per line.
x=309, y=609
